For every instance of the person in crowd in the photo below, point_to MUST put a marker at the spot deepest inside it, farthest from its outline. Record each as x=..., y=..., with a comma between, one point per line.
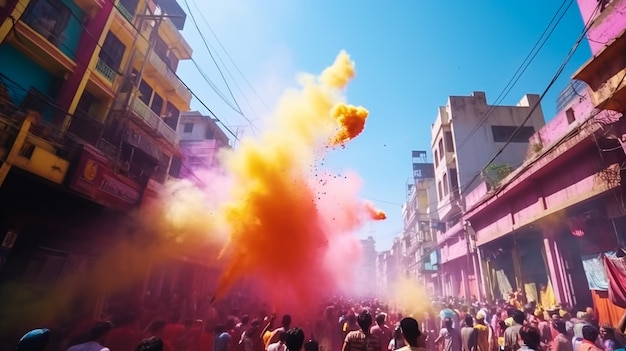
x=155, y=330
x=484, y=335
x=294, y=339
x=529, y=338
x=280, y=345
x=511, y=334
x=252, y=340
x=222, y=338
x=150, y=344
x=562, y=341
x=449, y=336
x=350, y=324
x=311, y=345
x=607, y=336
x=241, y=327
x=381, y=331
x=97, y=336
x=468, y=334
x=411, y=335
x=397, y=341
x=590, y=336
x=362, y=339
x=126, y=335
x=34, y=340
x=285, y=325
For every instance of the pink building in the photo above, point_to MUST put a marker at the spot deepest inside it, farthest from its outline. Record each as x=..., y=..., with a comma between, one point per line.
x=565, y=202
x=200, y=140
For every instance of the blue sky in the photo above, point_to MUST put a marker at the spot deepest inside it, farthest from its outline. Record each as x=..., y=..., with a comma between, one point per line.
x=410, y=56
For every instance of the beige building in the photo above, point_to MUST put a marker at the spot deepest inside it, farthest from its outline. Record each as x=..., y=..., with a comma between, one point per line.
x=466, y=134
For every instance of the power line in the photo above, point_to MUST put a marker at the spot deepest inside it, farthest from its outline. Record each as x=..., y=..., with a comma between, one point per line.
x=549, y=30
x=228, y=55
x=206, y=44
x=557, y=74
x=213, y=115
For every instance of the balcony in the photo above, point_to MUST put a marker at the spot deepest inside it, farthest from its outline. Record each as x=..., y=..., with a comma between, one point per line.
x=125, y=12
x=174, y=39
x=107, y=72
x=157, y=66
x=86, y=128
x=605, y=74
x=153, y=121
x=41, y=50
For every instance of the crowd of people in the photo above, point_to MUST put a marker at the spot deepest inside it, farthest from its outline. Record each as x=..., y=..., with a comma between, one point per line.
x=353, y=325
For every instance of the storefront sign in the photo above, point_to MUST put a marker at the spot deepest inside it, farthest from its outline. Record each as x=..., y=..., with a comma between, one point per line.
x=94, y=177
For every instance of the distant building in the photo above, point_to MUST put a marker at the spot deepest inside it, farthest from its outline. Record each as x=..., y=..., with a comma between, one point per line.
x=417, y=237
x=200, y=141
x=365, y=282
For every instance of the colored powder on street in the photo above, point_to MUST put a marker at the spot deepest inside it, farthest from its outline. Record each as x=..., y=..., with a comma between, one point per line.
x=290, y=225
x=410, y=297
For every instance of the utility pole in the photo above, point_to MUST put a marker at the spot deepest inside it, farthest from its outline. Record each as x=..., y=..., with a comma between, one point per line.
x=128, y=77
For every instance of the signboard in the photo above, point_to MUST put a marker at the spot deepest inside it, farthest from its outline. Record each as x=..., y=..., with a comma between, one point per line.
x=94, y=178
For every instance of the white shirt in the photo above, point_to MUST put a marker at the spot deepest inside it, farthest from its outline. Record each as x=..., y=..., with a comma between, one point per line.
x=88, y=346
x=277, y=346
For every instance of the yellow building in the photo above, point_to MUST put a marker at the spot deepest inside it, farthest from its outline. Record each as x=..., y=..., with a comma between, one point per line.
x=89, y=105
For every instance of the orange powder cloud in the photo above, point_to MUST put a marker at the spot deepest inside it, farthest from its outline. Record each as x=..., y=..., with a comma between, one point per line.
x=351, y=120
x=281, y=229
x=374, y=213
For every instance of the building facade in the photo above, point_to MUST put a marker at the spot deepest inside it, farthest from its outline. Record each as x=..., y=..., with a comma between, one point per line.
x=417, y=238
x=201, y=139
x=466, y=133
x=365, y=282
x=89, y=105
x=539, y=228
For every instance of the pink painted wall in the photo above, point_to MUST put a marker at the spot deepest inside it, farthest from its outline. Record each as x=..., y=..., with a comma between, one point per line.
x=563, y=185
x=559, y=125
x=609, y=23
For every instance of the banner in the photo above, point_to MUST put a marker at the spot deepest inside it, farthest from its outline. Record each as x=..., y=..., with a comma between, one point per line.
x=94, y=178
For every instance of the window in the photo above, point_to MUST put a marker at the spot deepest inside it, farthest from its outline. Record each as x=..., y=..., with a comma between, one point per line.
x=454, y=181
x=446, y=185
x=449, y=141
x=171, y=116
x=570, y=116
x=210, y=133
x=86, y=102
x=157, y=104
x=187, y=127
x=49, y=18
x=440, y=146
x=112, y=51
x=439, y=191
x=129, y=5
x=145, y=92
x=501, y=134
x=436, y=159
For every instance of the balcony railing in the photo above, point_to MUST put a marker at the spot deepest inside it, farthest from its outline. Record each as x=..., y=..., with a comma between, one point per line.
x=169, y=76
x=154, y=121
x=129, y=16
x=104, y=69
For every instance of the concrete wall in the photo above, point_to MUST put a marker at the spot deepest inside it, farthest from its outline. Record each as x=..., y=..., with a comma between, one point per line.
x=474, y=154
x=559, y=125
x=473, y=149
x=608, y=24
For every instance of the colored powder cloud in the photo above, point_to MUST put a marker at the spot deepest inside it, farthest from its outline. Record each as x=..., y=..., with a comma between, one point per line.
x=288, y=223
